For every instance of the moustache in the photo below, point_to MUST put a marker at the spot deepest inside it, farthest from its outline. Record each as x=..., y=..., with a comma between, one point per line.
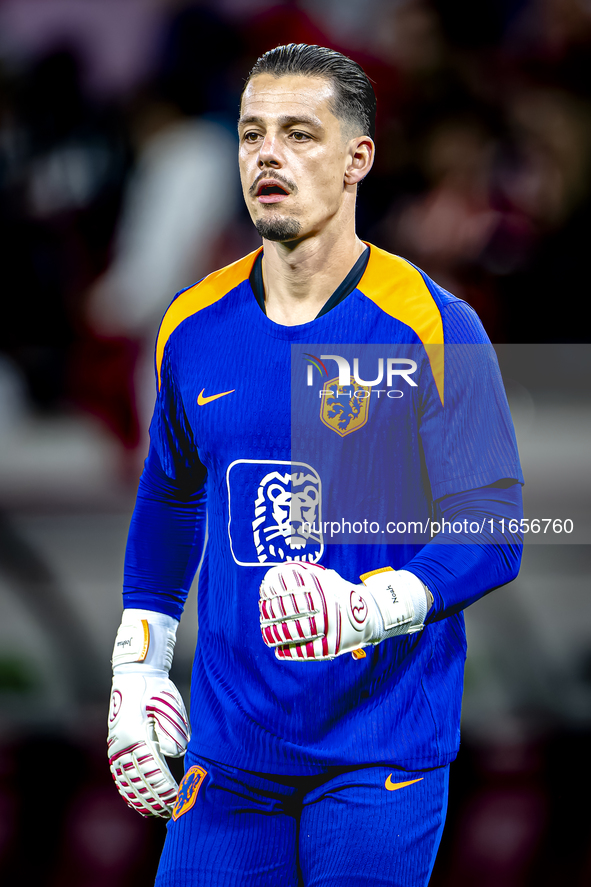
x=290, y=186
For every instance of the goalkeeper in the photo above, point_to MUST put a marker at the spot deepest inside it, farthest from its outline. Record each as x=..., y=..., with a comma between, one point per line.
x=327, y=680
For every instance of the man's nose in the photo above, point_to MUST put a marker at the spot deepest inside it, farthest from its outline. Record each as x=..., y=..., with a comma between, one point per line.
x=269, y=154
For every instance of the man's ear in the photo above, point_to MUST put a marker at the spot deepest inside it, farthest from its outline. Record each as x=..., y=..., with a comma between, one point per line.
x=361, y=156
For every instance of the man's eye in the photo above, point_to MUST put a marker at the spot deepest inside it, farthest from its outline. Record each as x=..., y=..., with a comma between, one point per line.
x=300, y=136
x=250, y=136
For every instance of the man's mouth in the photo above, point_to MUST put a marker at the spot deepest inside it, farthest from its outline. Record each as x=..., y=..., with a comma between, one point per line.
x=271, y=191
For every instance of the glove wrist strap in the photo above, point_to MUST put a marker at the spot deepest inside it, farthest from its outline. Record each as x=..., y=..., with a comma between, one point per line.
x=401, y=599
x=145, y=641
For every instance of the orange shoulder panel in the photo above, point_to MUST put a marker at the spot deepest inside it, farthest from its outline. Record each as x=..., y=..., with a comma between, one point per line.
x=399, y=289
x=204, y=293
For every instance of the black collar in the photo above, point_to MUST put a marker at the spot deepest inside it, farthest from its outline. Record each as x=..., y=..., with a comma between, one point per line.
x=342, y=291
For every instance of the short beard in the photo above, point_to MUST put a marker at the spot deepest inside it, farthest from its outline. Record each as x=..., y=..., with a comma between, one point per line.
x=278, y=229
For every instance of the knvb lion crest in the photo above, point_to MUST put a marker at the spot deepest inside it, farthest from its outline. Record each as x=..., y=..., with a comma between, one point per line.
x=188, y=790
x=344, y=408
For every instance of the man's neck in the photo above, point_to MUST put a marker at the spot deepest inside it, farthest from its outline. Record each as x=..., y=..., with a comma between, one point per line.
x=299, y=279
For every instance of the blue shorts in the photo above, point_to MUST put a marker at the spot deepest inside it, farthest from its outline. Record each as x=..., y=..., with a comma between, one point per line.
x=374, y=825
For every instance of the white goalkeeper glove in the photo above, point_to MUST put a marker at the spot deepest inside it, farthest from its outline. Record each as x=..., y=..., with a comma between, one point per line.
x=147, y=717
x=310, y=613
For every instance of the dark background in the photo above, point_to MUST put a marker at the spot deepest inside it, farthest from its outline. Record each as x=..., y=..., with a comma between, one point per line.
x=114, y=116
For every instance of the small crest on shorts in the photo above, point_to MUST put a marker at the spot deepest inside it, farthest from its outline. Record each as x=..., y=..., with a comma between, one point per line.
x=188, y=790
x=344, y=408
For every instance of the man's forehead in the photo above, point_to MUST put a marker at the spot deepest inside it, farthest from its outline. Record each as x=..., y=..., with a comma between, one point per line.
x=267, y=93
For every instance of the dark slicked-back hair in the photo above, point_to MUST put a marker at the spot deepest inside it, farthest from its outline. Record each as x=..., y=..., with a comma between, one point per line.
x=354, y=99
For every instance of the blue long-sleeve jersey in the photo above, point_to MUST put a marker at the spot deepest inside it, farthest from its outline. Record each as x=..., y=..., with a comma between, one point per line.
x=277, y=434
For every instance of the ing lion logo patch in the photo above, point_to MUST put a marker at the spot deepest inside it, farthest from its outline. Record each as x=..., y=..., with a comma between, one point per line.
x=286, y=507
x=275, y=512
x=344, y=408
x=188, y=790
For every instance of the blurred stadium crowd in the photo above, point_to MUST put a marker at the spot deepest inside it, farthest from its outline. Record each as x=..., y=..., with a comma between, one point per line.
x=119, y=186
